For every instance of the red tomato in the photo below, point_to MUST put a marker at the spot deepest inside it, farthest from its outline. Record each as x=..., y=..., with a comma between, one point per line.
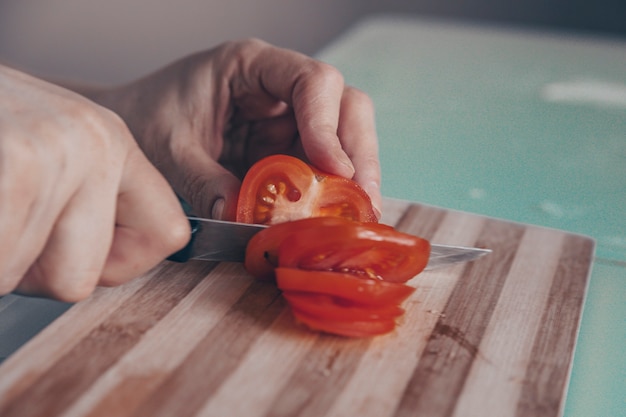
x=262, y=250
x=337, y=308
x=281, y=188
x=365, y=291
x=349, y=328
x=367, y=250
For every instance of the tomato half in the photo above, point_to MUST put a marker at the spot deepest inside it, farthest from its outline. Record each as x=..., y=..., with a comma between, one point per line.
x=367, y=250
x=281, y=188
x=365, y=291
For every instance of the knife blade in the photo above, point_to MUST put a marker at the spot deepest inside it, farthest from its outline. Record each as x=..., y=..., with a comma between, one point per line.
x=224, y=241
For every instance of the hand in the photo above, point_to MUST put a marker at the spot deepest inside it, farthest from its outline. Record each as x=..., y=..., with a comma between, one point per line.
x=204, y=120
x=80, y=205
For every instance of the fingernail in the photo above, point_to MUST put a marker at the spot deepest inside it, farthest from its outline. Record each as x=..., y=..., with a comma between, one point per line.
x=218, y=209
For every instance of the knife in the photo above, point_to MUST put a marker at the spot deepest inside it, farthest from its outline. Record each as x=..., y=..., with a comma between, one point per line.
x=219, y=240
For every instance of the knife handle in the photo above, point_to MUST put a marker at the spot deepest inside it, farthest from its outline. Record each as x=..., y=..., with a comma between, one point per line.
x=184, y=254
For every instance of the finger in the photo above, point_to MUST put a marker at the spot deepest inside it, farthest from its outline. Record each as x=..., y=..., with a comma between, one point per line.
x=314, y=89
x=149, y=223
x=69, y=266
x=357, y=133
x=22, y=234
x=209, y=187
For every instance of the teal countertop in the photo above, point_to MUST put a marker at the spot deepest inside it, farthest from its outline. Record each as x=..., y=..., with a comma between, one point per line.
x=516, y=124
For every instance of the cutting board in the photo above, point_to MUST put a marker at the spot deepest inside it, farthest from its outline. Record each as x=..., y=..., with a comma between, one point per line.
x=494, y=337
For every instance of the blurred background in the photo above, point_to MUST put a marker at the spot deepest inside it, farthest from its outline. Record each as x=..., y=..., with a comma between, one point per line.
x=117, y=40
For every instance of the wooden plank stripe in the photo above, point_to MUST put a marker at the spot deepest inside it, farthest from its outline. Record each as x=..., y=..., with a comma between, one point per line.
x=320, y=379
x=72, y=374
x=380, y=374
x=452, y=347
x=421, y=220
x=283, y=340
x=120, y=390
x=217, y=355
x=548, y=370
x=524, y=294
x=74, y=325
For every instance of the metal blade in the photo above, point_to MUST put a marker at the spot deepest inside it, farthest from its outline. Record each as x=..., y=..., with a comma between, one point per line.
x=445, y=255
x=217, y=240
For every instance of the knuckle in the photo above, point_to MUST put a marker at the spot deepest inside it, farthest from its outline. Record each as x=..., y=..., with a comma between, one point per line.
x=71, y=288
x=324, y=71
x=177, y=234
x=248, y=45
x=63, y=283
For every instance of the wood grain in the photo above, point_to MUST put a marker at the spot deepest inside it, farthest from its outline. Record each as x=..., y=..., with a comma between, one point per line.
x=492, y=337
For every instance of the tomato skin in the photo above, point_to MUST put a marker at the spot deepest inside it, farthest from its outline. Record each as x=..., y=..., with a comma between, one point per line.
x=328, y=307
x=364, y=291
x=262, y=250
x=282, y=188
x=367, y=250
x=348, y=328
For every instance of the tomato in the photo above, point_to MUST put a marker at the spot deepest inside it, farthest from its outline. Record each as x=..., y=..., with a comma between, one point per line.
x=281, y=188
x=337, y=308
x=262, y=250
x=368, y=250
x=365, y=291
x=338, y=275
x=350, y=328
x=327, y=243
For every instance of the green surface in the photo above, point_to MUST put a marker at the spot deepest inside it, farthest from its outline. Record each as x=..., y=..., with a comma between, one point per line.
x=524, y=126
x=598, y=381
x=509, y=124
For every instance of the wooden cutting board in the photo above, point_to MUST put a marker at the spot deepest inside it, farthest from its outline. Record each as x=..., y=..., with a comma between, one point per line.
x=490, y=338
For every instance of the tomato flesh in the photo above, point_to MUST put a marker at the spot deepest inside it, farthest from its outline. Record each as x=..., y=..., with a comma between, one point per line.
x=367, y=250
x=262, y=250
x=337, y=308
x=281, y=188
x=349, y=328
x=366, y=291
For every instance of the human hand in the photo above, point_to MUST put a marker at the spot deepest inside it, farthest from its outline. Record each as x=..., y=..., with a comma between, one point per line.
x=213, y=114
x=80, y=205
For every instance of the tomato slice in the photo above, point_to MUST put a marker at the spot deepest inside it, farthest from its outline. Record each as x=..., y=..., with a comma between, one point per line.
x=349, y=328
x=281, y=188
x=328, y=307
x=365, y=291
x=367, y=250
x=262, y=250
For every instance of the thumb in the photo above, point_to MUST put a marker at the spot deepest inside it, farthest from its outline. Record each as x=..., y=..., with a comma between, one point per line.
x=208, y=187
